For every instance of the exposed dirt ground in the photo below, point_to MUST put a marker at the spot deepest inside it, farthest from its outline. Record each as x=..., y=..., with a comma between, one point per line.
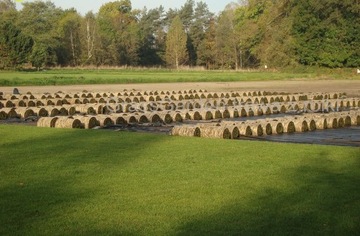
x=351, y=87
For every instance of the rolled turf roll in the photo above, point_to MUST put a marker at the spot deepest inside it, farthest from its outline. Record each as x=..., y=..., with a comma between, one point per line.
x=267, y=128
x=341, y=122
x=355, y=118
x=20, y=103
x=31, y=103
x=104, y=120
x=52, y=111
x=86, y=109
x=215, y=132
x=71, y=109
x=47, y=122
x=68, y=122
x=62, y=111
x=321, y=122
x=118, y=119
x=332, y=122
x=88, y=122
x=195, y=115
x=176, y=116
x=347, y=119
x=257, y=129
x=277, y=126
x=235, y=132
x=234, y=113
x=25, y=112
x=130, y=118
x=3, y=115
x=206, y=115
x=8, y=104
x=143, y=119
x=154, y=118
x=311, y=123
x=289, y=126
x=10, y=113
x=166, y=117
x=189, y=131
x=301, y=125
x=245, y=129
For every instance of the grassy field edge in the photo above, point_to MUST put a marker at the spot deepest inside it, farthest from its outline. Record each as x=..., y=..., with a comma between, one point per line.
x=124, y=76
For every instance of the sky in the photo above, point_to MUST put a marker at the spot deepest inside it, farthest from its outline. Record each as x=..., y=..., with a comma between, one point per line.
x=84, y=6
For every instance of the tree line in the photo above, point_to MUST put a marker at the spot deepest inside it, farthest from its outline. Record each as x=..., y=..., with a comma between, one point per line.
x=246, y=34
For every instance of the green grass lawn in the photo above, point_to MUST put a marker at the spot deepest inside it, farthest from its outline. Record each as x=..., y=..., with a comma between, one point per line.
x=72, y=76
x=95, y=182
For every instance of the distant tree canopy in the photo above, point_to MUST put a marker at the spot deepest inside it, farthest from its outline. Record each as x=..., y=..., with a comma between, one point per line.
x=248, y=33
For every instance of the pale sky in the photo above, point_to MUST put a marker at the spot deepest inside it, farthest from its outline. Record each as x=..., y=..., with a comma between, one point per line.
x=84, y=6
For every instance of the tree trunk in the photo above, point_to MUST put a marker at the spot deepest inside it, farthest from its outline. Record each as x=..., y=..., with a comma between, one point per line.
x=177, y=60
x=90, y=40
x=72, y=47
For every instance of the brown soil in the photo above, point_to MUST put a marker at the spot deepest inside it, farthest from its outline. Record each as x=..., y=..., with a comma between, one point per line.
x=351, y=87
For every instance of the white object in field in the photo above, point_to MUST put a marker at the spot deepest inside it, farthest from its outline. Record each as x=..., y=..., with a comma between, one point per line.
x=358, y=71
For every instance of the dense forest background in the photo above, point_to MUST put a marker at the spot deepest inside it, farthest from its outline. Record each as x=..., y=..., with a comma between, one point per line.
x=246, y=34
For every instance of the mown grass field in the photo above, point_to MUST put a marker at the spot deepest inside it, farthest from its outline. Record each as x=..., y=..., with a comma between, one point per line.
x=123, y=76
x=95, y=182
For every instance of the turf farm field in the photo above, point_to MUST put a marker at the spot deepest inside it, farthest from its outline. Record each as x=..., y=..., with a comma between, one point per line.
x=86, y=182
x=125, y=76
x=116, y=176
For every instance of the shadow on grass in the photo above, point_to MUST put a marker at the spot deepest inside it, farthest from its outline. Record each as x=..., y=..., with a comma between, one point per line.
x=324, y=200
x=44, y=177
x=71, y=182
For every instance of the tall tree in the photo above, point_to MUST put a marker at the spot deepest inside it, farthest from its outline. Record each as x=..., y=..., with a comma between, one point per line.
x=151, y=33
x=227, y=44
x=207, y=47
x=176, y=54
x=70, y=32
x=186, y=14
x=40, y=21
x=275, y=46
x=198, y=28
x=88, y=38
x=15, y=46
x=116, y=24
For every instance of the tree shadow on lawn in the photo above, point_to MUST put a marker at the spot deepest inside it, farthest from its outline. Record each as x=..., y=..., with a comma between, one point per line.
x=324, y=200
x=40, y=178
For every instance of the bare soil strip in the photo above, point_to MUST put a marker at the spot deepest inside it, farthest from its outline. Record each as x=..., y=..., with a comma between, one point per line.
x=351, y=87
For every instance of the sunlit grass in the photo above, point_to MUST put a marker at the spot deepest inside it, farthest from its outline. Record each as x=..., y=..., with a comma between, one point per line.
x=87, y=182
x=121, y=76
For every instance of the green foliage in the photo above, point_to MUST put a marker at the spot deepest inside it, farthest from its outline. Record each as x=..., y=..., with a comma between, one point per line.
x=69, y=30
x=198, y=28
x=207, y=47
x=43, y=56
x=40, y=20
x=96, y=182
x=249, y=33
x=325, y=33
x=14, y=44
x=176, y=44
x=6, y=6
x=152, y=38
x=227, y=50
x=119, y=34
